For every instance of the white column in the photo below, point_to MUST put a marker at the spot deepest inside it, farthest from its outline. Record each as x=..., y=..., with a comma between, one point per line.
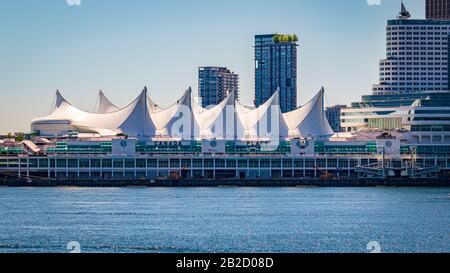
x=304, y=167
x=203, y=167
x=146, y=168
x=28, y=166
x=349, y=167
x=315, y=168
x=135, y=167
x=123, y=167
x=259, y=168
x=19, y=175
x=101, y=168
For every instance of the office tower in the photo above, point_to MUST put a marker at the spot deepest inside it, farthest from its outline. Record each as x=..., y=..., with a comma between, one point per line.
x=438, y=9
x=417, y=56
x=276, y=68
x=215, y=83
x=414, y=90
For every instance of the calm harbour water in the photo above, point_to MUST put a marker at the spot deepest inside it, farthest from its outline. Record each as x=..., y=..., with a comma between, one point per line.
x=224, y=220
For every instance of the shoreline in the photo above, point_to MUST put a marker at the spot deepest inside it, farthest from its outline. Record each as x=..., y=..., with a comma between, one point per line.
x=299, y=183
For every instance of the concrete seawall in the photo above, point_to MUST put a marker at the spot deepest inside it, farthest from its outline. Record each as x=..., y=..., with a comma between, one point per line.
x=442, y=182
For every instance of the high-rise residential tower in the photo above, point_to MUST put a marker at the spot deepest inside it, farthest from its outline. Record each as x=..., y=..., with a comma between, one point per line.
x=417, y=56
x=333, y=114
x=438, y=9
x=276, y=68
x=215, y=83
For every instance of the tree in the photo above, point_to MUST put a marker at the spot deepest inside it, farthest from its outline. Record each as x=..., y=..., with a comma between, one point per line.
x=20, y=137
x=276, y=38
x=285, y=38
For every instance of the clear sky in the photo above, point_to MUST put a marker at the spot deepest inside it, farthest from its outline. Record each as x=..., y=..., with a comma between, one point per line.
x=120, y=46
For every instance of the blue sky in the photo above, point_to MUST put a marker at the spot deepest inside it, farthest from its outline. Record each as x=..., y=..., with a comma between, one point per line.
x=120, y=46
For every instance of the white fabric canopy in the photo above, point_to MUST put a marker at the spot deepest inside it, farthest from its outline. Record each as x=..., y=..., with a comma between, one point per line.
x=177, y=121
x=186, y=119
x=216, y=122
x=262, y=123
x=132, y=119
x=104, y=105
x=309, y=120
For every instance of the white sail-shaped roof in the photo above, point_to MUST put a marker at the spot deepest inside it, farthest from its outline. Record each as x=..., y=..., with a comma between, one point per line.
x=309, y=120
x=170, y=122
x=152, y=106
x=133, y=120
x=104, y=105
x=216, y=122
x=187, y=120
x=262, y=123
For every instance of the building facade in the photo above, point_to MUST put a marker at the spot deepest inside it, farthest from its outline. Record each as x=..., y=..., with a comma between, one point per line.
x=413, y=92
x=427, y=120
x=401, y=99
x=215, y=83
x=337, y=160
x=417, y=56
x=276, y=68
x=438, y=9
x=333, y=114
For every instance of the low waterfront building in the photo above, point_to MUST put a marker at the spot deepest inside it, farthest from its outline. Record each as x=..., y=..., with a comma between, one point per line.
x=402, y=99
x=427, y=120
x=347, y=156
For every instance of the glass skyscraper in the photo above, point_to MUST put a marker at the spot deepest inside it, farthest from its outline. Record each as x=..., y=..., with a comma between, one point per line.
x=276, y=68
x=215, y=83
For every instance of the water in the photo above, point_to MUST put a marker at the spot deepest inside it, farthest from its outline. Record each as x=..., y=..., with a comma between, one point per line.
x=224, y=220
